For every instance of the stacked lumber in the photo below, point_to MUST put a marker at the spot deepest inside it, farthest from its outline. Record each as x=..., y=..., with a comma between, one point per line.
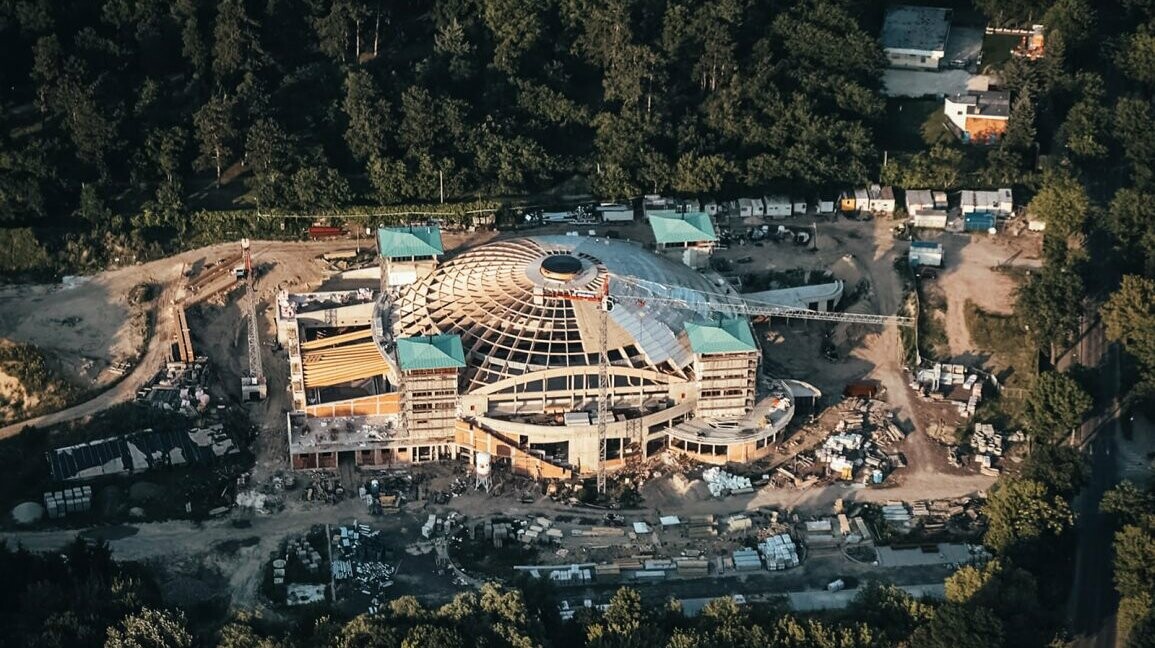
x=323, y=343
x=336, y=365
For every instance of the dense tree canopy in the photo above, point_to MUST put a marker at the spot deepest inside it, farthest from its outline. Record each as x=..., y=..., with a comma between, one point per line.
x=274, y=103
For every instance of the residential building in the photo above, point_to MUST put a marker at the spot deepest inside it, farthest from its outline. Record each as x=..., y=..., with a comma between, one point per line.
x=915, y=37
x=979, y=117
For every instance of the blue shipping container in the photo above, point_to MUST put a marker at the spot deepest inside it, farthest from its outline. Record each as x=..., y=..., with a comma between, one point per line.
x=979, y=221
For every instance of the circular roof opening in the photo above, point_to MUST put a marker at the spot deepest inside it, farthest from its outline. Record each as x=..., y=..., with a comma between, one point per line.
x=561, y=267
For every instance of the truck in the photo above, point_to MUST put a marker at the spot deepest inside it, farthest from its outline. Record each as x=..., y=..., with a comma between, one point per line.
x=321, y=232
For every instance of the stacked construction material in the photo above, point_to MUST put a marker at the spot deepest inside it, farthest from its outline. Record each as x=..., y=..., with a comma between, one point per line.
x=573, y=575
x=896, y=514
x=722, y=483
x=77, y=499
x=779, y=552
x=747, y=559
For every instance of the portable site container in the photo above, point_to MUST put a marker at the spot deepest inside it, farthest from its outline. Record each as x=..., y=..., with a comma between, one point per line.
x=778, y=206
x=979, y=221
x=930, y=218
x=926, y=253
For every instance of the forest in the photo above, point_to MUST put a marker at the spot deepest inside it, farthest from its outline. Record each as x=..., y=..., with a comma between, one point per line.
x=123, y=119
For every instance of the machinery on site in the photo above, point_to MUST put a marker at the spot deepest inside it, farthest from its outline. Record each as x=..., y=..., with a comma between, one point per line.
x=253, y=384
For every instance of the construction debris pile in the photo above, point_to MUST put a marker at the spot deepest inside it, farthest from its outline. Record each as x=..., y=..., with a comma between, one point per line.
x=961, y=516
x=323, y=487
x=357, y=563
x=178, y=387
x=385, y=493
x=435, y=525
x=864, y=432
x=722, y=483
x=951, y=382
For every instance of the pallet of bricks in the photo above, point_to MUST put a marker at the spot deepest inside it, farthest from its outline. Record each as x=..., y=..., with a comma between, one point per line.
x=77, y=499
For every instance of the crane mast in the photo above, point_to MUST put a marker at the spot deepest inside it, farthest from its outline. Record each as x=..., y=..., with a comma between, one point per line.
x=604, y=307
x=253, y=385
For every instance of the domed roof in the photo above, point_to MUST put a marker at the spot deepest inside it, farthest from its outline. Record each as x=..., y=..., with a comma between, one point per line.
x=503, y=300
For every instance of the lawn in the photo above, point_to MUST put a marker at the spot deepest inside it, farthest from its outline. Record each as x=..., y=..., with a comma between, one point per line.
x=997, y=50
x=912, y=125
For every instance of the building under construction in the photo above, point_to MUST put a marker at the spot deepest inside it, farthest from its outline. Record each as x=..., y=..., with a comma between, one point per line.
x=500, y=349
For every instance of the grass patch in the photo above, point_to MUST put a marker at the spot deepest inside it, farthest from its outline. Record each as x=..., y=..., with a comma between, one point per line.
x=912, y=124
x=1003, y=337
x=997, y=50
x=34, y=377
x=997, y=333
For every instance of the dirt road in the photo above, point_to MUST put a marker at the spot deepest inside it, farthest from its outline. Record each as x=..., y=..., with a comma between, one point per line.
x=146, y=368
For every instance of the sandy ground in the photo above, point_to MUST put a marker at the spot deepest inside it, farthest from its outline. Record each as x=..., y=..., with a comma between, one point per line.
x=969, y=274
x=91, y=320
x=85, y=328
x=857, y=251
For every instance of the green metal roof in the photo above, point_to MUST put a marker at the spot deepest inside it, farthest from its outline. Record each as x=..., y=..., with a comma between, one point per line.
x=404, y=242
x=729, y=335
x=430, y=352
x=690, y=227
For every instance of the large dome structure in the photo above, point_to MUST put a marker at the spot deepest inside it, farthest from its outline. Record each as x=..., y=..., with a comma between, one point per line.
x=503, y=300
x=496, y=350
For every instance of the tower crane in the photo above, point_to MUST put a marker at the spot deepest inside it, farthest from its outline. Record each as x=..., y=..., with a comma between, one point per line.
x=740, y=304
x=253, y=385
x=605, y=304
x=715, y=302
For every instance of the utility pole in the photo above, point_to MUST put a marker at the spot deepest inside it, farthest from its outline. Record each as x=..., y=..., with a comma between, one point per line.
x=441, y=183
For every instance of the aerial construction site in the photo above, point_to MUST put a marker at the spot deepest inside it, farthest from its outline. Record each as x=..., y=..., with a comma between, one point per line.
x=742, y=393
x=557, y=355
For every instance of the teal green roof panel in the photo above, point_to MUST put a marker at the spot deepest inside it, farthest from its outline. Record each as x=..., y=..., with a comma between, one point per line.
x=430, y=352
x=405, y=242
x=690, y=227
x=729, y=335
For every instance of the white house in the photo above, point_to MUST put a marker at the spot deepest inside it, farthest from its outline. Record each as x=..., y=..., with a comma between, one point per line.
x=979, y=116
x=915, y=37
x=777, y=206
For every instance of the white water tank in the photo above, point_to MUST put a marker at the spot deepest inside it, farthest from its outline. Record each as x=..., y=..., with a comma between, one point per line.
x=483, y=462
